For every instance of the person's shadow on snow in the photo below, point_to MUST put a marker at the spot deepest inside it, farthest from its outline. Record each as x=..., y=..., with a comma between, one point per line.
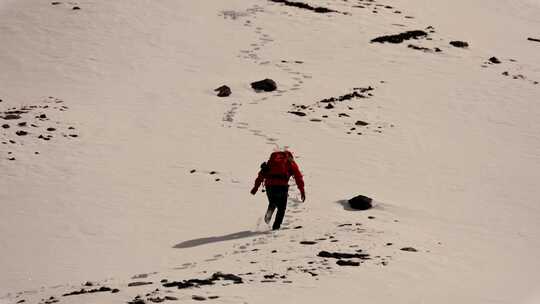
x=216, y=239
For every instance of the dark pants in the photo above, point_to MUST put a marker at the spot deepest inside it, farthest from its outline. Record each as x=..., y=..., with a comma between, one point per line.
x=277, y=198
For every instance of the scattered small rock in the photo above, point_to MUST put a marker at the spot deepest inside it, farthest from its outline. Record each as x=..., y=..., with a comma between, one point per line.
x=347, y=263
x=308, y=242
x=76, y=8
x=51, y=129
x=135, y=284
x=22, y=124
x=494, y=60
x=21, y=133
x=459, y=44
x=533, y=39
x=171, y=298
x=361, y=123
x=339, y=255
x=318, y=9
x=198, y=298
x=5, y=126
x=410, y=249
x=11, y=116
x=298, y=113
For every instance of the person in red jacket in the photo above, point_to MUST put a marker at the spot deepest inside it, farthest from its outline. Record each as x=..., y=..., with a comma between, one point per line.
x=276, y=174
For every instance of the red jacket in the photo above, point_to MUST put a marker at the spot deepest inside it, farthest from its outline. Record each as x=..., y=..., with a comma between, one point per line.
x=271, y=181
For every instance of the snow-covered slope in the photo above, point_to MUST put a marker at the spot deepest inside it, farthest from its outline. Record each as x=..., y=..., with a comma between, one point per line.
x=451, y=153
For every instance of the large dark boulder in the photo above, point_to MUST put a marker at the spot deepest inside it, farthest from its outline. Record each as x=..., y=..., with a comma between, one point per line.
x=267, y=85
x=223, y=91
x=361, y=202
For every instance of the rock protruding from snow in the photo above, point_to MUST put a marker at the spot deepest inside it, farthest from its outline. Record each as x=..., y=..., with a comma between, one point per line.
x=399, y=38
x=223, y=91
x=361, y=202
x=316, y=9
x=459, y=44
x=267, y=85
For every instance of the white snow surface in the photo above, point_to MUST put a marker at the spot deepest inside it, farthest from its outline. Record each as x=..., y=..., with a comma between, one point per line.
x=451, y=154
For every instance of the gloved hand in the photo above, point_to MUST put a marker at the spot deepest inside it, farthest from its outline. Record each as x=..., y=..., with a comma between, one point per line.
x=253, y=191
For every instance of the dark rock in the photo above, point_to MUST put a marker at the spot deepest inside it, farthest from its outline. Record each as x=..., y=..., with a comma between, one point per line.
x=320, y=10
x=410, y=249
x=361, y=202
x=76, y=8
x=419, y=48
x=329, y=106
x=137, y=301
x=343, y=115
x=73, y=135
x=223, y=91
x=51, y=129
x=201, y=282
x=171, y=298
x=11, y=158
x=21, y=133
x=22, y=124
x=88, y=284
x=116, y=290
x=11, y=116
x=371, y=217
x=361, y=123
x=5, y=126
x=198, y=298
x=42, y=116
x=459, y=44
x=494, y=60
x=21, y=301
x=389, y=244
x=339, y=255
x=193, y=171
x=533, y=39
x=298, y=227
x=399, y=38
x=134, y=284
x=298, y=113
x=56, y=3
x=347, y=263
x=315, y=120
x=267, y=85
x=213, y=297
x=213, y=172
x=308, y=242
